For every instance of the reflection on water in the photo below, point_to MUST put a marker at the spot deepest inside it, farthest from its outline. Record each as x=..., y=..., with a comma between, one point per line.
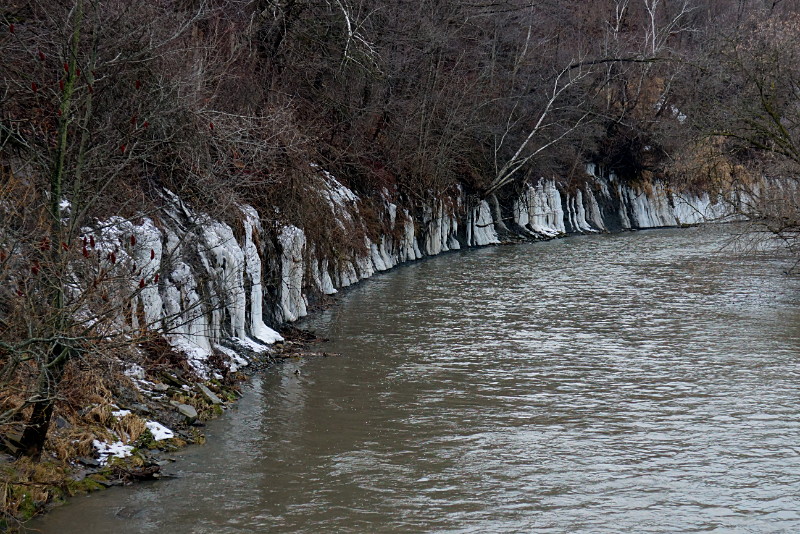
x=646, y=382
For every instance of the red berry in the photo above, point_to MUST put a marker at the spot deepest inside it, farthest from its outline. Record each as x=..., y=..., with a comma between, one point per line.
x=113, y=258
x=145, y=124
x=133, y=240
x=85, y=252
x=41, y=55
x=11, y=28
x=61, y=84
x=141, y=283
x=152, y=254
x=35, y=87
x=155, y=279
x=35, y=268
x=211, y=125
x=66, y=67
x=122, y=148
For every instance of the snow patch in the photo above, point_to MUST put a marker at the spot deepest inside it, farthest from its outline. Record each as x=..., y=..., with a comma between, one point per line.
x=236, y=360
x=159, y=431
x=111, y=450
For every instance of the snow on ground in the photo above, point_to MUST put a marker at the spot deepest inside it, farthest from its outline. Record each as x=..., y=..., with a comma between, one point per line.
x=236, y=359
x=111, y=450
x=159, y=431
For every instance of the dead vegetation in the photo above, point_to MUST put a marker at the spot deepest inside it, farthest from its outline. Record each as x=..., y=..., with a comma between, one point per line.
x=104, y=106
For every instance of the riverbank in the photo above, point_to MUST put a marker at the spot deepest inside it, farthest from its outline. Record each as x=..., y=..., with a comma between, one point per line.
x=560, y=390
x=139, y=417
x=129, y=433
x=115, y=412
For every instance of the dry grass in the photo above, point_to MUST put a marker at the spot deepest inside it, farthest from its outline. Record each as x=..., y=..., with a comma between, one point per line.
x=129, y=427
x=26, y=486
x=706, y=167
x=73, y=443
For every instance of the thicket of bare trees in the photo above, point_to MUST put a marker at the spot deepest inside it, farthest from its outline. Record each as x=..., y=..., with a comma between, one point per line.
x=101, y=110
x=741, y=96
x=103, y=104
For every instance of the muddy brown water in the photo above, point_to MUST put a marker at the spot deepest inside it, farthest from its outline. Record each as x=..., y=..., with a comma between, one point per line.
x=644, y=382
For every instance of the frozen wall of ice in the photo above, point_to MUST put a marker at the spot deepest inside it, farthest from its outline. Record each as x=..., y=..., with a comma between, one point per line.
x=206, y=288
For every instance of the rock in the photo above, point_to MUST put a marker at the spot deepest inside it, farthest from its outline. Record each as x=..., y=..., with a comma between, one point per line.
x=145, y=472
x=173, y=380
x=62, y=423
x=209, y=394
x=141, y=408
x=11, y=443
x=89, y=461
x=77, y=476
x=188, y=412
x=161, y=388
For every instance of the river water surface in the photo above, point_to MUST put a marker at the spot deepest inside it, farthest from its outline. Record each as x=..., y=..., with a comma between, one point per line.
x=645, y=382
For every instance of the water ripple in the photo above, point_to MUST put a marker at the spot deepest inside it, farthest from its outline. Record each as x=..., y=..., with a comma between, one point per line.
x=648, y=382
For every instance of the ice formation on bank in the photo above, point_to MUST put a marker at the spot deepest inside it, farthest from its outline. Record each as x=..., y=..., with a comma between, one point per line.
x=292, y=300
x=253, y=270
x=480, y=226
x=208, y=288
x=539, y=210
x=190, y=279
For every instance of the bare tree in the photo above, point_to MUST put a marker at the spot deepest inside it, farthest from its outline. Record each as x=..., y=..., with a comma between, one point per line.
x=757, y=124
x=87, y=123
x=525, y=151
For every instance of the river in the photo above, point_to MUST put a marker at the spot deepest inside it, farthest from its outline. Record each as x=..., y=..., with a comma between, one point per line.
x=642, y=382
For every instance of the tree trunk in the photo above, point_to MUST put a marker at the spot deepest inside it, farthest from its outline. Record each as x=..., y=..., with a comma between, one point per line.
x=497, y=215
x=51, y=368
x=35, y=433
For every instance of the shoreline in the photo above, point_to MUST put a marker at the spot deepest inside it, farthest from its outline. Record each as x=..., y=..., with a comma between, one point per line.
x=50, y=483
x=164, y=420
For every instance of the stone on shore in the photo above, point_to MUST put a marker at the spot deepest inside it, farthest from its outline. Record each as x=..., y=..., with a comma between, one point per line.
x=187, y=411
x=210, y=395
